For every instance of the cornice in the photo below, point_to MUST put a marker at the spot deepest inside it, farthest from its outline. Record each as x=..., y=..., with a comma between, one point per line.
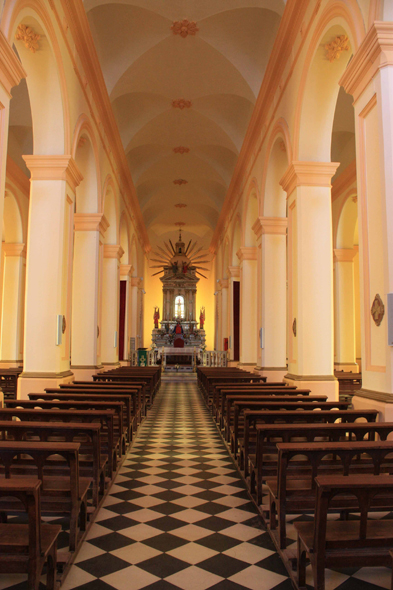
x=15, y=175
x=233, y=271
x=126, y=270
x=91, y=222
x=54, y=168
x=247, y=253
x=76, y=17
x=344, y=181
x=14, y=249
x=270, y=225
x=374, y=53
x=113, y=251
x=308, y=174
x=344, y=254
x=11, y=70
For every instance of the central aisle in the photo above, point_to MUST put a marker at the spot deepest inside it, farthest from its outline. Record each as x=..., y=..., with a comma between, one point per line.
x=178, y=515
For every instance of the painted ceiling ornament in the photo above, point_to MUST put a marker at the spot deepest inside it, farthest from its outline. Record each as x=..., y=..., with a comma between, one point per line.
x=377, y=310
x=335, y=48
x=180, y=205
x=180, y=223
x=355, y=199
x=181, y=150
x=180, y=181
x=28, y=36
x=184, y=28
x=294, y=327
x=181, y=103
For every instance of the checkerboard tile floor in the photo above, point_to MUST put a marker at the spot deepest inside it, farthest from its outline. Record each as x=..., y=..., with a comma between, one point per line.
x=178, y=516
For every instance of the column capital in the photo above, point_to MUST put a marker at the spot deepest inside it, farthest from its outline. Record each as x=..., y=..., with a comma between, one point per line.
x=54, y=168
x=308, y=174
x=11, y=70
x=344, y=254
x=234, y=271
x=374, y=53
x=14, y=249
x=223, y=283
x=126, y=270
x=90, y=222
x=270, y=225
x=113, y=251
x=246, y=253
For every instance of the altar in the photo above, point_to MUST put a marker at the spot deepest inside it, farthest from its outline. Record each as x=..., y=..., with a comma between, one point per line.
x=183, y=357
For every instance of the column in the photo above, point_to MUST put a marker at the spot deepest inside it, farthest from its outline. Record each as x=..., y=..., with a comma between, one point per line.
x=134, y=283
x=345, y=331
x=248, y=306
x=218, y=320
x=89, y=229
x=125, y=276
x=110, y=305
x=369, y=79
x=141, y=293
x=11, y=352
x=46, y=358
x=234, y=276
x=272, y=299
x=224, y=283
x=310, y=277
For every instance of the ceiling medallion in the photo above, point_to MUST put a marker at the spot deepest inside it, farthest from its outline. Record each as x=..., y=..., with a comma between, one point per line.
x=180, y=205
x=28, y=36
x=377, y=310
x=181, y=103
x=184, y=28
x=181, y=150
x=336, y=47
x=180, y=181
x=180, y=223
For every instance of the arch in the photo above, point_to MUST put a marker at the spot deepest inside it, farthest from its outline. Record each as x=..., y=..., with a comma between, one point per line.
x=45, y=79
x=347, y=221
x=278, y=155
x=85, y=152
x=251, y=212
x=134, y=256
x=12, y=219
x=110, y=207
x=125, y=238
x=318, y=88
x=10, y=190
x=237, y=239
x=226, y=259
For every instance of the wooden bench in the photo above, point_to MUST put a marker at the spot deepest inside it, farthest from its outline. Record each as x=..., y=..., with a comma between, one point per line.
x=25, y=548
x=60, y=494
x=109, y=443
x=264, y=463
x=91, y=463
x=291, y=494
x=348, y=543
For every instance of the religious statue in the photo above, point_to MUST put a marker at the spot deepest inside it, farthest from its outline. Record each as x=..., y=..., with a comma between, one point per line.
x=156, y=317
x=202, y=318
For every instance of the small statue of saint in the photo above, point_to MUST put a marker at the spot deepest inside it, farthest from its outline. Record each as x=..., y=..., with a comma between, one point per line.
x=156, y=317
x=202, y=318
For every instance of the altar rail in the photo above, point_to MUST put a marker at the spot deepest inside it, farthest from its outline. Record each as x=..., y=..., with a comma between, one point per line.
x=215, y=358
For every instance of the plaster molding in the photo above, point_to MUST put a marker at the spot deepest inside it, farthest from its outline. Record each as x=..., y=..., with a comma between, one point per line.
x=374, y=53
x=379, y=396
x=233, y=272
x=224, y=283
x=15, y=175
x=181, y=150
x=90, y=222
x=344, y=254
x=126, y=270
x=270, y=226
x=14, y=249
x=113, y=251
x=247, y=253
x=343, y=182
x=335, y=48
x=54, y=168
x=180, y=181
x=181, y=103
x=184, y=28
x=28, y=36
x=180, y=205
x=11, y=70
x=308, y=174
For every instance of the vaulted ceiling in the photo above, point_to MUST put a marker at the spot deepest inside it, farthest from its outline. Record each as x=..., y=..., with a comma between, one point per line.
x=183, y=77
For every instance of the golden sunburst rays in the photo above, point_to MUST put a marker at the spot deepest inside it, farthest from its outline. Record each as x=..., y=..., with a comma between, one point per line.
x=196, y=257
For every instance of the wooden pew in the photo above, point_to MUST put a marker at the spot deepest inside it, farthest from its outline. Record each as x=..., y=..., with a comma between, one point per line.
x=91, y=463
x=348, y=543
x=104, y=417
x=59, y=494
x=264, y=463
x=290, y=494
x=26, y=548
x=60, y=395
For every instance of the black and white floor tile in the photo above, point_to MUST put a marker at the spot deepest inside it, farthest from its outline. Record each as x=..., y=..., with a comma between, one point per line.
x=179, y=517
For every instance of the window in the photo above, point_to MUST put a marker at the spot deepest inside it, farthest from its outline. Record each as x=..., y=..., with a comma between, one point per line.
x=179, y=307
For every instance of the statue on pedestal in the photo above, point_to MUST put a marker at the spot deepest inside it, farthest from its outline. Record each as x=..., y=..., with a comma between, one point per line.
x=202, y=318
x=156, y=317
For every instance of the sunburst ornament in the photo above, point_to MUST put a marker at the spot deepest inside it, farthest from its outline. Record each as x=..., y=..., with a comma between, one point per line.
x=180, y=260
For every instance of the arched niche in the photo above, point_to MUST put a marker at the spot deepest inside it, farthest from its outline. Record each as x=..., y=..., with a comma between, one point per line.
x=85, y=154
x=347, y=228
x=12, y=220
x=134, y=257
x=226, y=261
x=125, y=239
x=251, y=216
x=110, y=212
x=274, y=197
x=236, y=241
